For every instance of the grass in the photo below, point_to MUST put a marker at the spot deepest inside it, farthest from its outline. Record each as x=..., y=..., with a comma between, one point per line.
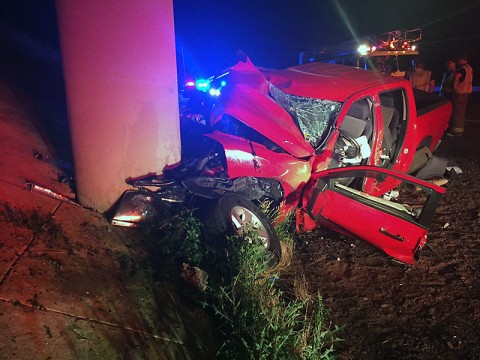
x=256, y=319
x=177, y=241
x=257, y=322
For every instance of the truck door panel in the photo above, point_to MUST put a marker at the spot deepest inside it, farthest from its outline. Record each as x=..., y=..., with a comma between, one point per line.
x=396, y=228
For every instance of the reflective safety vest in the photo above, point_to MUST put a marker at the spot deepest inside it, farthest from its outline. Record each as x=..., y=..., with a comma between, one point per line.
x=420, y=79
x=465, y=87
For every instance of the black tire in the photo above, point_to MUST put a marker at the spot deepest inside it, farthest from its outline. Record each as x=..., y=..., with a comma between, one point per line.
x=231, y=213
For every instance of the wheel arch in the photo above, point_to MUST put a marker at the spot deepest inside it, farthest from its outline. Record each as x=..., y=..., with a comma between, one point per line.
x=249, y=187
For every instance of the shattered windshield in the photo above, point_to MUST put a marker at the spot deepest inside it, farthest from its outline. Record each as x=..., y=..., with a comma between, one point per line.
x=313, y=116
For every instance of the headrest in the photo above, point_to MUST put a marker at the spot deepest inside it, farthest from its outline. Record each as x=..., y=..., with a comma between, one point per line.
x=386, y=100
x=360, y=109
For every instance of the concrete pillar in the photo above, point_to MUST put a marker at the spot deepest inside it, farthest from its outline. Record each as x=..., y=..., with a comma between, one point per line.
x=121, y=83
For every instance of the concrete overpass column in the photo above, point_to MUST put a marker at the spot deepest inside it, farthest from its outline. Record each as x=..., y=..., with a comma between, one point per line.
x=121, y=83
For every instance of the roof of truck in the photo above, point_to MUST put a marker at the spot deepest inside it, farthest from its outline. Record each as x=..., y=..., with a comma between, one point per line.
x=327, y=81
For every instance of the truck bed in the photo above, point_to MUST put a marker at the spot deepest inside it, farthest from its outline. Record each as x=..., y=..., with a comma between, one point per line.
x=426, y=102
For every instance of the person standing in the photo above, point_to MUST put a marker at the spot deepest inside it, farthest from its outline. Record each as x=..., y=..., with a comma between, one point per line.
x=462, y=88
x=420, y=78
x=388, y=69
x=379, y=67
x=448, y=79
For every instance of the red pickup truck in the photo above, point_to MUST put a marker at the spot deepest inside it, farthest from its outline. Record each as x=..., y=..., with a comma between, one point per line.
x=325, y=141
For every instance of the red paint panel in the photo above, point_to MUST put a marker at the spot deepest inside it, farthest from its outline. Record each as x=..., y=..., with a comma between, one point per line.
x=328, y=81
x=367, y=223
x=388, y=226
x=290, y=172
x=247, y=100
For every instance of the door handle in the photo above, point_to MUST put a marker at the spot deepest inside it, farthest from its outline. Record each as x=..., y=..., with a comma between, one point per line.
x=396, y=237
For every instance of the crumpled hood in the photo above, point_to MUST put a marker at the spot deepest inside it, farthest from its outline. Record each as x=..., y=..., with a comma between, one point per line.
x=246, y=99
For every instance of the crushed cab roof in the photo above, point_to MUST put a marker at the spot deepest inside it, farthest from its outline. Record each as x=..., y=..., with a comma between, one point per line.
x=326, y=81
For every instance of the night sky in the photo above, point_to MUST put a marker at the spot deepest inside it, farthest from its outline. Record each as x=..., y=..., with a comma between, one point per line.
x=272, y=33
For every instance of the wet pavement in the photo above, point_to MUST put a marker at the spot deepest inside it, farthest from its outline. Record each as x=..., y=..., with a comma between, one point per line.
x=71, y=285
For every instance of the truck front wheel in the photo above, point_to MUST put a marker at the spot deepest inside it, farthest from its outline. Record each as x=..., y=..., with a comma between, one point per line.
x=233, y=214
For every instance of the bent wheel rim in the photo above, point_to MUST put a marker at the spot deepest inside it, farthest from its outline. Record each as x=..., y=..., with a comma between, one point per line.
x=242, y=218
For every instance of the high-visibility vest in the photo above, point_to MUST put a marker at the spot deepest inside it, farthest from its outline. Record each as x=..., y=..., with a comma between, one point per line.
x=420, y=79
x=465, y=87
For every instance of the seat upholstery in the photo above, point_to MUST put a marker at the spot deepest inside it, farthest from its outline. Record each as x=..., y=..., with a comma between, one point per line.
x=391, y=121
x=357, y=122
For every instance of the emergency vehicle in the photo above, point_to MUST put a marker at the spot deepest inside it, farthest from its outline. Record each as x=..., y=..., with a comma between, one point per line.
x=395, y=50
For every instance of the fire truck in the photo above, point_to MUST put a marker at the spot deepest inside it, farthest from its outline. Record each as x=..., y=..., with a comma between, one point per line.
x=395, y=50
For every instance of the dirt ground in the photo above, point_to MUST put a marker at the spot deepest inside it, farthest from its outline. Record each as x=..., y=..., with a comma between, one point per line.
x=389, y=310
x=72, y=286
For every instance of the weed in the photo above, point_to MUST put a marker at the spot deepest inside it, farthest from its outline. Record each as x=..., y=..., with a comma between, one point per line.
x=256, y=319
x=300, y=288
x=178, y=241
x=284, y=231
x=257, y=322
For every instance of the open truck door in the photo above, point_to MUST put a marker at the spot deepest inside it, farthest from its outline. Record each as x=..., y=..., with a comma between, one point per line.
x=398, y=228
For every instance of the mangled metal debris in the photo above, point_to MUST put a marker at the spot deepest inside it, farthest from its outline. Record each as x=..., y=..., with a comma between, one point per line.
x=47, y=192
